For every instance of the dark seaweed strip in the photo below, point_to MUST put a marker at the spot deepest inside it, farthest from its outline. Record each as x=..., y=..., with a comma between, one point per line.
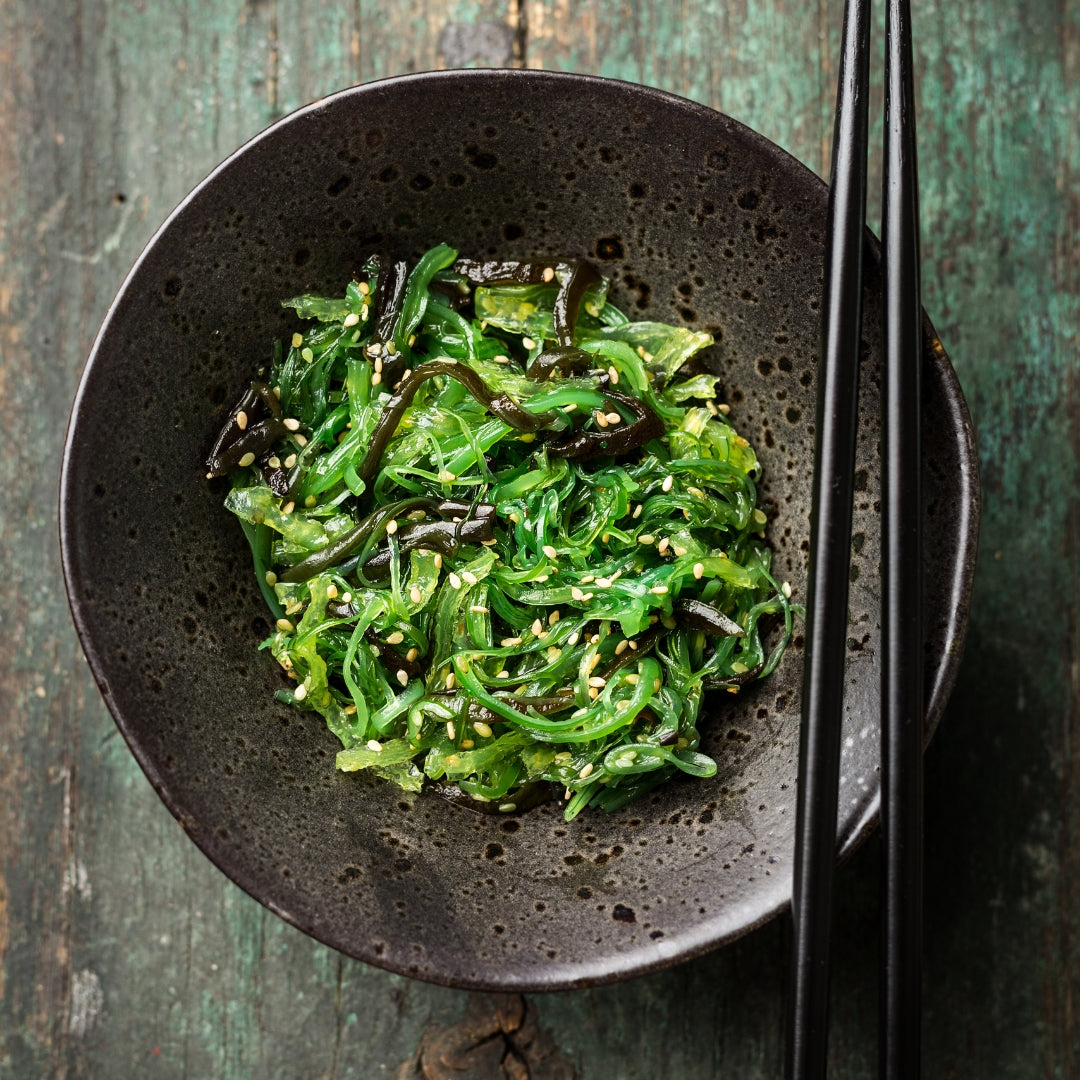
x=567, y=358
x=568, y=302
x=494, y=271
x=389, y=297
x=348, y=542
x=696, y=615
x=256, y=440
x=445, y=537
x=645, y=427
x=502, y=405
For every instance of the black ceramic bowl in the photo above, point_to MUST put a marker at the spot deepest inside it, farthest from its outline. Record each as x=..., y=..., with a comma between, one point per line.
x=697, y=220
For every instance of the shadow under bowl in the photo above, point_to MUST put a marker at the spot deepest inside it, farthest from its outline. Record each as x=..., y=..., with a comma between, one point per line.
x=696, y=220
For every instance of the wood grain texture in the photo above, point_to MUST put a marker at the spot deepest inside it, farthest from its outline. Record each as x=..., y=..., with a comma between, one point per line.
x=123, y=952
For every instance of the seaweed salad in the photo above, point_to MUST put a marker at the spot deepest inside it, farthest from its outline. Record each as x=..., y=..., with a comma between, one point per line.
x=508, y=537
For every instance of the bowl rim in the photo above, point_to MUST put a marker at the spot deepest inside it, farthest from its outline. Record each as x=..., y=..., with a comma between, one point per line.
x=615, y=966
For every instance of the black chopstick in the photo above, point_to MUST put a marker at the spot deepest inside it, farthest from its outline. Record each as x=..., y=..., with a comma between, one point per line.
x=901, y=571
x=830, y=553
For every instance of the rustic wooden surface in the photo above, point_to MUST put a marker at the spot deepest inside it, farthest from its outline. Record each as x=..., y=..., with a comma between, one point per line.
x=124, y=953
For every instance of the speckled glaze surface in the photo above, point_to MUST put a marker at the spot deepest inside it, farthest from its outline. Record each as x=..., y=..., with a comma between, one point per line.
x=696, y=219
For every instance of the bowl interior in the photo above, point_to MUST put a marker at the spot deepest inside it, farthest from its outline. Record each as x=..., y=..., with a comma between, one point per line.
x=696, y=219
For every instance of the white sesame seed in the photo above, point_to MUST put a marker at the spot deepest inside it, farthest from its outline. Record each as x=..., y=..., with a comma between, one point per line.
x=613, y=418
x=510, y=643
x=504, y=674
x=403, y=677
x=396, y=638
x=469, y=577
x=613, y=375
x=678, y=549
x=573, y=639
x=292, y=424
x=290, y=461
x=725, y=408
x=301, y=440
x=447, y=477
x=621, y=647
x=669, y=480
x=550, y=551
x=246, y=460
x=576, y=593
x=537, y=627
x=364, y=288
x=274, y=462
x=712, y=408
x=289, y=507
x=553, y=618
x=451, y=731
x=455, y=581
x=478, y=609
x=548, y=273
x=331, y=591
x=637, y=512
x=242, y=420
x=786, y=589
x=569, y=408
x=528, y=343
x=663, y=545
x=285, y=626
x=507, y=807
x=297, y=340
x=300, y=692
x=699, y=569
x=598, y=682
x=594, y=663
x=377, y=377
x=374, y=746
x=351, y=319
x=347, y=598
x=391, y=527
x=502, y=359
x=482, y=729
x=633, y=645
x=412, y=654
x=633, y=678
x=415, y=595
x=601, y=419
x=646, y=538
x=586, y=771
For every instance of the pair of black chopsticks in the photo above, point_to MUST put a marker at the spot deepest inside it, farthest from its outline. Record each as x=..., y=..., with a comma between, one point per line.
x=901, y=616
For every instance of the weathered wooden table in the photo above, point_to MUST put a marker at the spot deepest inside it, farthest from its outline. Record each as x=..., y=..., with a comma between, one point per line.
x=123, y=952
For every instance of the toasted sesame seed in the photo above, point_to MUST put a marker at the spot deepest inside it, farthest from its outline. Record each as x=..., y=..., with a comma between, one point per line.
x=246, y=460
x=300, y=440
x=550, y=551
x=501, y=359
x=349, y=710
x=300, y=692
x=586, y=771
x=646, y=538
x=297, y=340
x=378, y=364
x=289, y=507
x=347, y=598
x=351, y=319
x=467, y=744
x=664, y=544
x=597, y=681
x=537, y=627
x=678, y=549
x=613, y=418
x=455, y=581
x=482, y=729
x=528, y=343
x=290, y=461
x=553, y=618
x=396, y=638
x=415, y=595
x=786, y=589
x=699, y=569
x=374, y=746
x=291, y=424
x=451, y=731
x=376, y=378
x=637, y=512
x=621, y=647
x=331, y=591
x=656, y=684
x=403, y=677
x=594, y=693
x=274, y=462
x=605, y=538
x=437, y=561
x=633, y=645
x=469, y=577
x=363, y=316
x=573, y=639
x=569, y=408
x=633, y=679
x=613, y=375
x=391, y=527
x=412, y=654
x=548, y=273
x=447, y=477
x=621, y=705
x=364, y=288
x=601, y=418
x=510, y=642
x=711, y=406
x=242, y=420
x=669, y=480
x=504, y=674
x=594, y=663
